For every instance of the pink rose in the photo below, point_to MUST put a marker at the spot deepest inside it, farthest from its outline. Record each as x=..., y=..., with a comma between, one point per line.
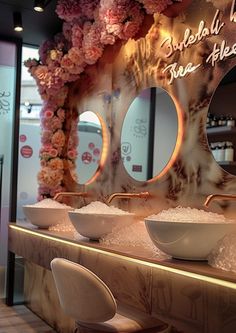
x=92, y=54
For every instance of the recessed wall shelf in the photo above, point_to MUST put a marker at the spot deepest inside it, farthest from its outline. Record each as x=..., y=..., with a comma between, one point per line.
x=227, y=163
x=221, y=130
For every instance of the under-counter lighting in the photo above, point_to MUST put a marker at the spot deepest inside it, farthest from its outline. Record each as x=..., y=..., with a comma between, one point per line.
x=196, y=276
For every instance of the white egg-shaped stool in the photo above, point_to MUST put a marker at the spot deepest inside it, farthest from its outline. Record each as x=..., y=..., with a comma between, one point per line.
x=86, y=298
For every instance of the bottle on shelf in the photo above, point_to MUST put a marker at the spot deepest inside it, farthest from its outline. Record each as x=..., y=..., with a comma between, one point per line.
x=221, y=152
x=230, y=121
x=214, y=121
x=229, y=152
x=213, y=149
x=222, y=121
x=208, y=125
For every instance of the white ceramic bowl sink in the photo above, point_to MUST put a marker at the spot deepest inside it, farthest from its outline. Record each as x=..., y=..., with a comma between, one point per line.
x=95, y=226
x=187, y=240
x=45, y=217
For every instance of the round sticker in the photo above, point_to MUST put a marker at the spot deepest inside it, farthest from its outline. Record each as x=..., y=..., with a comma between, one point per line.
x=23, y=138
x=26, y=151
x=91, y=145
x=96, y=152
x=86, y=158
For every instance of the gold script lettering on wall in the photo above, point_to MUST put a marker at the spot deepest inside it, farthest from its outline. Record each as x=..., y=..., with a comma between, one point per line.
x=221, y=130
x=149, y=134
x=221, y=50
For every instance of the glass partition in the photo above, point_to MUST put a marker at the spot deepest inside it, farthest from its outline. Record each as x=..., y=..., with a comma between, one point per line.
x=8, y=70
x=29, y=136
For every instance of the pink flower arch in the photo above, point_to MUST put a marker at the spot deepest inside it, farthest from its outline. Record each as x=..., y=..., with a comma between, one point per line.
x=89, y=25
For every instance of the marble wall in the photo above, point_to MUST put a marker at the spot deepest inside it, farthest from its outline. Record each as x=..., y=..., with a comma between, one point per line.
x=128, y=69
x=191, y=305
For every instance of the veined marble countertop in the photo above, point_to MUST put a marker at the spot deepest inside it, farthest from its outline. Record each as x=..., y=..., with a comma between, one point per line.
x=139, y=254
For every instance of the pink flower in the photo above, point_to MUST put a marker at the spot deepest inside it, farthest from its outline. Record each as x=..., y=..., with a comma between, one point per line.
x=58, y=139
x=48, y=114
x=114, y=29
x=55, y=164
x=72, y=154
x=61, y=114
x=107, y=38
x=68, y=9
x=43, y=163
x=51, y=124
x=153, y=6
x=76, y=56
x=47, y=151
x=46, y=136
x=76, y=35
x=88, y=7
x=53, y=152
x=92, y=34
x=50, y=178
x=92, y=54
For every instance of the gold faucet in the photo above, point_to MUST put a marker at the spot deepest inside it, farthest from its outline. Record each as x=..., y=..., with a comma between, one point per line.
x=219, y=197
x=77, y=194
x=144, y=195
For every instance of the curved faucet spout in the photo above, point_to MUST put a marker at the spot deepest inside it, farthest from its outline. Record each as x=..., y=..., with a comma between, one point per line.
x=218, y=197
x=144, y=195
x=76, y=194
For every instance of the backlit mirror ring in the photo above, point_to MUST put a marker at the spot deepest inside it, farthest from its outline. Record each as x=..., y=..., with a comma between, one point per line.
x=92, y=147
x=221, y=123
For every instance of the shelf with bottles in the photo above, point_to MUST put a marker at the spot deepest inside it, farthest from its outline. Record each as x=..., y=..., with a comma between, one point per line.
x=223, y=152
x=220, y=124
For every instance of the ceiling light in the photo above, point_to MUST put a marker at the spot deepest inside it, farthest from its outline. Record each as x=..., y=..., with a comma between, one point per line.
x=17, y=20
x=39, y=5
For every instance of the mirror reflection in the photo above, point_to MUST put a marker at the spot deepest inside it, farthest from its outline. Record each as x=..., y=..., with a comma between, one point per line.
x=90, y=146
x=221, y=128
x=149, y=134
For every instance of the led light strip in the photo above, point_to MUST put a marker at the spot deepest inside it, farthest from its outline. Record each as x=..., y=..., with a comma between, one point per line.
x=200, y=277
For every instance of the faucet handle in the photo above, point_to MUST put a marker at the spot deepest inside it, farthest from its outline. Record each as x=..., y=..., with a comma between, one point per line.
x=218, y=197
x=77, y=194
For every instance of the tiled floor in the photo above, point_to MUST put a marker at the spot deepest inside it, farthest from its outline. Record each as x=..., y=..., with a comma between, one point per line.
x=18, y=319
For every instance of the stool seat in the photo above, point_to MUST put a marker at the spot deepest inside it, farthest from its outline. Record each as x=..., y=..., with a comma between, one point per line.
x=128, y=320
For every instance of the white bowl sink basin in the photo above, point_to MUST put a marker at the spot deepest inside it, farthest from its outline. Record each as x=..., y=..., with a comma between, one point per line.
x=95, y=226
x=187, y=240
x=45, y=217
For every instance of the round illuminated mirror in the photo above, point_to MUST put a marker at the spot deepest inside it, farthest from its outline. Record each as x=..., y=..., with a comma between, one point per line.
x=149, y=134
x=221, y=130
x=90, y=146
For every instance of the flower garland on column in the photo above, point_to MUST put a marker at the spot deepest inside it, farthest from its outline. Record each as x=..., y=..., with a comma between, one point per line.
x=89, y=25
